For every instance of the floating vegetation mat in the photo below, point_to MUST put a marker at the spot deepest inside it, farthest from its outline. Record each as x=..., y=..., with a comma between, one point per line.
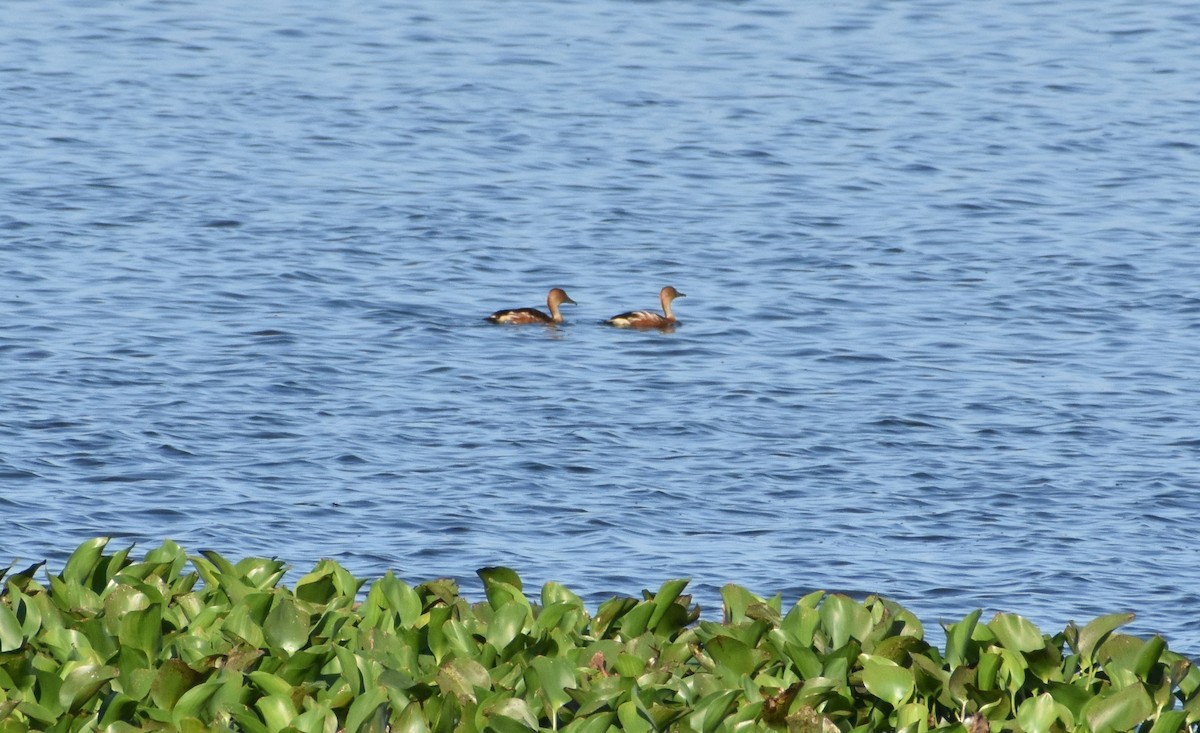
x=197, y=643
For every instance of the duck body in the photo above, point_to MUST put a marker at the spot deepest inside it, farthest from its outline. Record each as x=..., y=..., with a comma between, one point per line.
x=522, y=316
x=641, y=319
x=650, y=319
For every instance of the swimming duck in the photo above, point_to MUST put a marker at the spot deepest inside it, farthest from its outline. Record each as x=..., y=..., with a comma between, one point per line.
x=518, y=316
x=650, y=319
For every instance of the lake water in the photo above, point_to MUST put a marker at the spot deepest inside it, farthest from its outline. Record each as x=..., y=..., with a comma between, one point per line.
x=940, y=340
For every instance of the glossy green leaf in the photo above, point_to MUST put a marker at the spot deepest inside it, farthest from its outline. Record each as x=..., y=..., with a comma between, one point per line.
x=462, y=677
x=843, y=619
x=317, y=718
x=958, y=639
x=278, y=712
x=1170, y=721
x=83, y=561
x=11, y=637
x=141, y=629
x=407, y=603
x=736, y=601
x=1037, y=714
x=912, y=718
x=507, y=623
x=664, y=600
x=734, y=656
x=317, y=587
x=174, y=678
x=712, y=709
x=1095, y=632
x=631, y=718
x=194, y=702
x=411, y=720
x=82, y=683
x=502, y=587
x=553, y=593
x=555, y=675
x=636, y=622
x=286, y=627
x=1121, y=711
x=596, y=723
x=986, y=671
x=887, y=680
x=511, y=708
x=1148, y=656
x=1016, y=633
x=117, y=708
x=799, y=625
x=270, y=683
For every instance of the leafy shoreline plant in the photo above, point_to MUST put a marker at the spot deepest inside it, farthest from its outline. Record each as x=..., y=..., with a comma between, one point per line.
x=196, y=643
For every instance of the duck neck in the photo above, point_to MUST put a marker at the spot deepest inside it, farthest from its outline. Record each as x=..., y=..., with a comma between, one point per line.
x=666, y=306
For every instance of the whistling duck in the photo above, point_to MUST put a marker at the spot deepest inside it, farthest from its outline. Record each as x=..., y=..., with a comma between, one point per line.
x=649, y=319
x=557, y=297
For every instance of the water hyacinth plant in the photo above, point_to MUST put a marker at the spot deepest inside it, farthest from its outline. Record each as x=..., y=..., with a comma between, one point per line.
x=197, y=643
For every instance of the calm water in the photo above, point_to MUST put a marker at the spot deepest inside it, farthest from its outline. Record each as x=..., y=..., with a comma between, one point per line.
x=940, y=339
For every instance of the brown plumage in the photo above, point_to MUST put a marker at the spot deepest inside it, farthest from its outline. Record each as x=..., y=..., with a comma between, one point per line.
x=650, y=319
x=518, y=316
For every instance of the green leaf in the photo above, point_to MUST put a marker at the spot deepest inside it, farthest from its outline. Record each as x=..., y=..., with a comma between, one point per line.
x=985, y=671
x=82, y=683
x=271, y=684
x=631, y=718
x=371, y=706
x=1148, y=657
x=712, y=709
x=194, y=700
x=555, y=675
x=1037, y=714
x=595, y=723
x=501, y=711
x=82, y=563
x=116, y=709
x=844, y=619
x=278, y=712
x=799, y=625
x=887, y=680
x=912, y=717
x=1094, y=634
x=142, y=630
x=637, y=620
x=412, y=720
x=502, y=586
x=1170, y=721
x=317, y=718
x=958, y=639
x=174, y=678
x=736, y=600
x=733, y=655
x=11, y=637
x=1016, y=633
x=1071, y=697
x=316, y=586
x=507, y=623
x=1121, y=711
x=553, y=593
x=664, y=599
x=402, y=599
x=286, y=627
x=461, y=678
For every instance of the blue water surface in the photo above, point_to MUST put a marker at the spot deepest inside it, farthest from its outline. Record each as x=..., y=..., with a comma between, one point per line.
x=940, y=339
